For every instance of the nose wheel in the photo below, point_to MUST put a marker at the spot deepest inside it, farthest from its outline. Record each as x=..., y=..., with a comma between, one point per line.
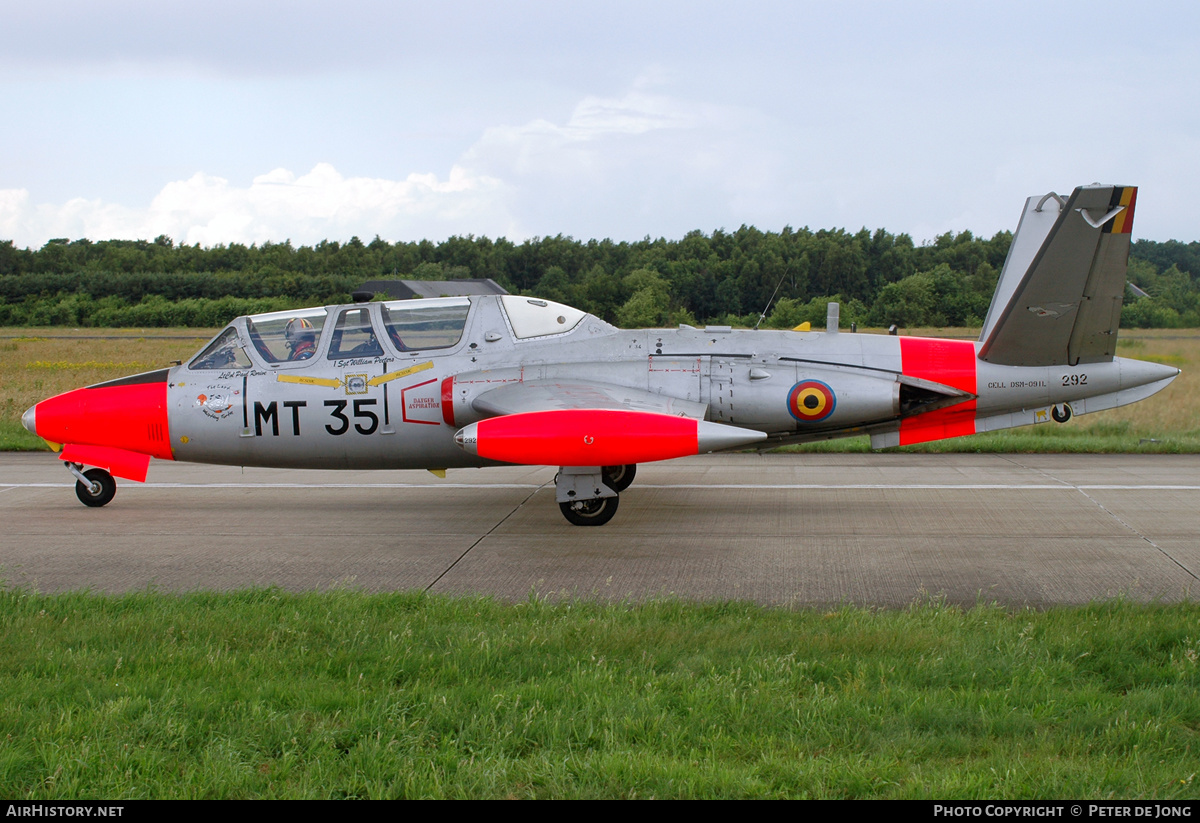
x=94, y=487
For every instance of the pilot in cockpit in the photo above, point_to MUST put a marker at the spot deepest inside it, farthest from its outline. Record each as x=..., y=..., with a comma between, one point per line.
x=301, y=339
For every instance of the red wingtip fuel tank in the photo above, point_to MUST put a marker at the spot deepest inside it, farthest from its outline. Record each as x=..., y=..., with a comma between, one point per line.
x=119, y=424
x=597, y=437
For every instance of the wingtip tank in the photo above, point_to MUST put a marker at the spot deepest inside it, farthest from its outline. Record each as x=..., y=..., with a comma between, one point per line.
x=597, y=437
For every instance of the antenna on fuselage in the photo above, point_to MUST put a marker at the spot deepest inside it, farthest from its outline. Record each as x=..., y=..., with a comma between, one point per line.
x=772, y=298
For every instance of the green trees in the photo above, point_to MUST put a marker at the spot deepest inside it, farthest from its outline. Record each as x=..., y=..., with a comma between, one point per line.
x=940, y=297
x=724, y=277
x=1173, y=299
x=649, y=301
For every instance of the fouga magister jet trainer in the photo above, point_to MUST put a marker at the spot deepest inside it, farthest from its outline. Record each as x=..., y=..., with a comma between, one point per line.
x=487, y=380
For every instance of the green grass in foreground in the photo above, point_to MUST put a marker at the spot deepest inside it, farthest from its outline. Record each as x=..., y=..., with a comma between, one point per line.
x=268, y=694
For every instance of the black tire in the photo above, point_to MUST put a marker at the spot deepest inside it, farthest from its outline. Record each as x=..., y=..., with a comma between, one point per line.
x=1062, y=417
x=594, y=512
x=103, y=496
x=619, y=478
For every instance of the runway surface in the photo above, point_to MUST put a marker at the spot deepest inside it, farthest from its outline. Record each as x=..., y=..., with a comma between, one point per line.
x=878, y=529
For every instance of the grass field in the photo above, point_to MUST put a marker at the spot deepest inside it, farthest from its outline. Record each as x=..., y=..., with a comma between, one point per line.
x=267, y=694
x=42, y=362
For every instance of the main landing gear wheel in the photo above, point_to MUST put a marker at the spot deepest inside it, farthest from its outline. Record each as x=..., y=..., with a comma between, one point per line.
x=1061, y=416
x=101, y=490
x=595, y=512
x=619, y=478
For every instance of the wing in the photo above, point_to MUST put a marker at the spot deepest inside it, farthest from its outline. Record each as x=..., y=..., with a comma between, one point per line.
x=556, y=395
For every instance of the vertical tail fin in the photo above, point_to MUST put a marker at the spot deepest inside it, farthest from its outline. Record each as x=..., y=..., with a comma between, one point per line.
x=1059, y=298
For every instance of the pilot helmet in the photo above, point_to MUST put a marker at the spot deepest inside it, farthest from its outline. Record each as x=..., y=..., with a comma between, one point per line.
x=299, y=330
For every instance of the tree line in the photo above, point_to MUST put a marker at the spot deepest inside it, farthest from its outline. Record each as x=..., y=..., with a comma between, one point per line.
x=726, y=277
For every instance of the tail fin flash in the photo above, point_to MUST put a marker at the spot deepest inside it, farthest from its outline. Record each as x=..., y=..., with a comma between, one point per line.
x=1059, y=298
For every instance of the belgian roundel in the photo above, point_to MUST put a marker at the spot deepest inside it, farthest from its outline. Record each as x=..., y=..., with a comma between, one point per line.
x=811, y=401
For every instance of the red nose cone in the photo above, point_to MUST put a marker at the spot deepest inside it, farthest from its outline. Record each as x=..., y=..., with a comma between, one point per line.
x=124, y=416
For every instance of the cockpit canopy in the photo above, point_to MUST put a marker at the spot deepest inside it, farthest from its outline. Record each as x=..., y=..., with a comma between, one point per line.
x=390, y=329
x=361, y=330
x=286, y=335
x=224, y=352
x=530, y=317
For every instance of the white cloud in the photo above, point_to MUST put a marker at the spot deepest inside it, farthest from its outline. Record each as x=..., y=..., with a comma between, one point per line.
x=275, y=206
x=591, y=130
x=607, y=166
x=642, y=163
x=625, y=166
x=635, y=113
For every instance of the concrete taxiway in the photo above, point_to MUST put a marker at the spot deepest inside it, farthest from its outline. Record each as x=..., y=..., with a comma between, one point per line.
x=879, y=529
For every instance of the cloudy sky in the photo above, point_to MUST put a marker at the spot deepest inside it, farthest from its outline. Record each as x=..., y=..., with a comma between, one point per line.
x=217, y=122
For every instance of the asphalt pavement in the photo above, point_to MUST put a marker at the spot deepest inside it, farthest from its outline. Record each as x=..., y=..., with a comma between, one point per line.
x=795, y=530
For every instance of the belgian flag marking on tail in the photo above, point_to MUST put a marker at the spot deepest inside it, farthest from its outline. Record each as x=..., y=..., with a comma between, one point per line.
x=1123, y=223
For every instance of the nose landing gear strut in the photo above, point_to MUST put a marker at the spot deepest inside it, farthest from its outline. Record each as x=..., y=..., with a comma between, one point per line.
x=94, y=487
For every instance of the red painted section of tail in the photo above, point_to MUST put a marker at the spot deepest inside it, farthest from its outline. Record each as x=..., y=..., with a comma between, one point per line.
x=585, y=437
x=132, y=418
x=952, y=363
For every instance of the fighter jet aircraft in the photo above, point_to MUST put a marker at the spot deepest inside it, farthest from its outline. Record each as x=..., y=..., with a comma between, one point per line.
x=486, y=380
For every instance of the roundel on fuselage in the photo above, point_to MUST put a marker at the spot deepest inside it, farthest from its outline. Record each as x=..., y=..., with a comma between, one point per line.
x=811, y=401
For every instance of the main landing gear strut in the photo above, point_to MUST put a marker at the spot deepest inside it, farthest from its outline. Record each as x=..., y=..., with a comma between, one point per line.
x=94, y=487
x=588, y=495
